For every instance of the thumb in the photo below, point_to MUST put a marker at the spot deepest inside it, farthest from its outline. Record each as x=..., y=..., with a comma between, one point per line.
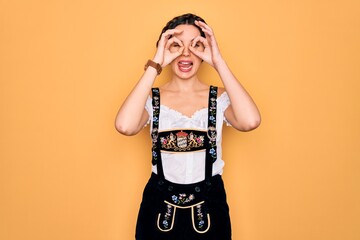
x=196, y=52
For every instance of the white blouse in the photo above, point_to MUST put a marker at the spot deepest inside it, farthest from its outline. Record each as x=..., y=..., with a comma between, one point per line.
x=189, y=167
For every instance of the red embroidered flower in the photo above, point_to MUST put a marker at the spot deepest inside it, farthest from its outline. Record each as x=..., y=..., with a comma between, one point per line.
x=163, y=140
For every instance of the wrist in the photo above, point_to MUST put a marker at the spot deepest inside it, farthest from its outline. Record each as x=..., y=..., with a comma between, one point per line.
x=154, y=65
x=158, y=59
x=220, y=62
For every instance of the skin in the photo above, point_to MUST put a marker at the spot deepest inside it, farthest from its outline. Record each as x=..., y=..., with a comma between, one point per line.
x=184, y=50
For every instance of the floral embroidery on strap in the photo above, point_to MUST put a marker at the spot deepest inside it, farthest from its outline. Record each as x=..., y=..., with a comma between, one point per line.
x=212, y=133
x=167, y=216
x=166, y=223
x=155, y=124
x=200, y=216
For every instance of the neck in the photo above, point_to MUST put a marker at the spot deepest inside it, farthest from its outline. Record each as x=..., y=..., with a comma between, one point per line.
x=185, y=85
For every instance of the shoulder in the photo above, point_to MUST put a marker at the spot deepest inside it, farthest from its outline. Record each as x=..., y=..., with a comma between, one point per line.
x=223, y=100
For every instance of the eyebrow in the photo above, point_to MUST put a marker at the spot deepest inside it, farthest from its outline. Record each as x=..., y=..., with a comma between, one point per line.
x=190, y=40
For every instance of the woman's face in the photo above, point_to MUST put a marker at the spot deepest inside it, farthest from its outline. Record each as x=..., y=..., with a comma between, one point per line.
x=187, y=64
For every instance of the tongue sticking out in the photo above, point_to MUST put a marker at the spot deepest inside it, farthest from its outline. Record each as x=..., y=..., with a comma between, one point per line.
x=185, y=66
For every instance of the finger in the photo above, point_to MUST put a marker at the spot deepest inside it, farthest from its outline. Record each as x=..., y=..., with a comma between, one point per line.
x=178, y=52
x=197, y=52
x=200, y=23
x=181, y=48
x=175, y=47
x=208, y=33
x=165, y=36
x=210, y=39
x=173, y=40
x=203, y=26
x=202, y=40
x=168, y=33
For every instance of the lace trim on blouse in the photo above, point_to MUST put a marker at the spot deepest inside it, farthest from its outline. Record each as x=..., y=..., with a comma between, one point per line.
x=222, y=103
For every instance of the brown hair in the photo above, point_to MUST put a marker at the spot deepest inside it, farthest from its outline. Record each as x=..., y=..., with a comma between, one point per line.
x=188, y=19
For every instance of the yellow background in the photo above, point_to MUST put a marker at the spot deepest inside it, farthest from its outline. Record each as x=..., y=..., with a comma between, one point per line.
x=67, y=65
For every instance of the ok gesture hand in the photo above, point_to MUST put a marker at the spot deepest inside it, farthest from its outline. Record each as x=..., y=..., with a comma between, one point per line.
x=211, y=53
x=163, y=54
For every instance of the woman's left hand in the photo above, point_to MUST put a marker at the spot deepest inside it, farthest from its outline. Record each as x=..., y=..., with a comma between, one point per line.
x=211, y=53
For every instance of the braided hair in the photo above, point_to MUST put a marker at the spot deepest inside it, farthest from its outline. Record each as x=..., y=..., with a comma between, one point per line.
x=188, y=19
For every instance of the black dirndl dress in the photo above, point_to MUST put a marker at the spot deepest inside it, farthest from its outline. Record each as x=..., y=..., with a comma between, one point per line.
x=171, y=211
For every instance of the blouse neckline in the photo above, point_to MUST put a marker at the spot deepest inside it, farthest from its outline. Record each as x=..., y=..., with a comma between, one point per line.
x=192, y=115
x=182, y=114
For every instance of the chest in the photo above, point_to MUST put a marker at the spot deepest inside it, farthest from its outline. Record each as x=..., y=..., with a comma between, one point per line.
x=187, y=105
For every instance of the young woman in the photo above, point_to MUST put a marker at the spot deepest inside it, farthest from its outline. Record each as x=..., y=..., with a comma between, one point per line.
x=185, y=196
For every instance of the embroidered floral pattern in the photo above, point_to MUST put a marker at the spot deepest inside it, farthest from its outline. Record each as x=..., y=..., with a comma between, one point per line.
x=182, y=141
x=200, y=216
x=155, y=133
x=182, y=198
x=212, y=110
x=212, y=123
x=167, y=216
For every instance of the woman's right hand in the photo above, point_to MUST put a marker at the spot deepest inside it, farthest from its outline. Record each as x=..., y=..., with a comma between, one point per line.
x=169, y=47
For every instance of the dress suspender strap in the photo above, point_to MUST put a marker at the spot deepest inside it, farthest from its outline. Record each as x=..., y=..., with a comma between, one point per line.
x=211, y=150
x=156, y=155
x=210, y=142
x=155, y=124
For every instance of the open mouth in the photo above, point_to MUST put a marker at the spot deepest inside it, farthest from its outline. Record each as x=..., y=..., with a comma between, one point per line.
x=185, y=66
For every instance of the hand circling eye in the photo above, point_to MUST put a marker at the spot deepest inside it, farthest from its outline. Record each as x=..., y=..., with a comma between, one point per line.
x=198, y=45
x=174, y=47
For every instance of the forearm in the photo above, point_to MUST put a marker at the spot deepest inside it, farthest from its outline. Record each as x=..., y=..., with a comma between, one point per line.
x=130, y=117
x=132, y=114
x=243, y=112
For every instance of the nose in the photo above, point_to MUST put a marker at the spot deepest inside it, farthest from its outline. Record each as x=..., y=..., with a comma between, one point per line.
x=186, y=52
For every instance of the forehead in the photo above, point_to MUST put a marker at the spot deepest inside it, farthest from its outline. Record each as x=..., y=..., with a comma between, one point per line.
x=189, y=32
